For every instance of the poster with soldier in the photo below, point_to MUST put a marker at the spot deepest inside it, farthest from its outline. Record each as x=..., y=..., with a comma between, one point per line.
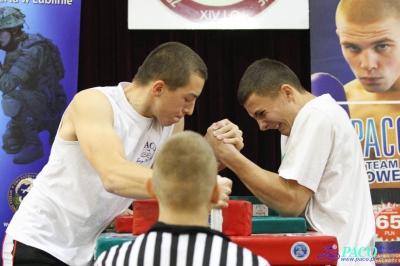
x=39, y=45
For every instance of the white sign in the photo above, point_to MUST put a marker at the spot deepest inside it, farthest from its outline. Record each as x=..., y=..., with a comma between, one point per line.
x=218, y=14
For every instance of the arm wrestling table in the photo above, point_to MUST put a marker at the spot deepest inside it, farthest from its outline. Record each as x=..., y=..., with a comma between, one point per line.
x=282, y=241
x=279, y=249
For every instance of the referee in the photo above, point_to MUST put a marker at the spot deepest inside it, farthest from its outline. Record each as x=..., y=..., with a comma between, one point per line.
x=184, y=183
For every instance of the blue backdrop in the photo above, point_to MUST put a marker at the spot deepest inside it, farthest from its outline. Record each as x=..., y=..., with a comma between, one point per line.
x=326, y=56
x=59, y=23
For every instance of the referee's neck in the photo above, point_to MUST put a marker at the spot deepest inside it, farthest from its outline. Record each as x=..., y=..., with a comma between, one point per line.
x=184, y=217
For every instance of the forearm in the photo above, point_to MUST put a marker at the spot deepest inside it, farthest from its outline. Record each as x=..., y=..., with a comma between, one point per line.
x=274, y=191
x=221, y=166
x=126, y=180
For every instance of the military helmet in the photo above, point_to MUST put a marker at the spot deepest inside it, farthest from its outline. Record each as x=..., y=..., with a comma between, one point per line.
x=10, y=17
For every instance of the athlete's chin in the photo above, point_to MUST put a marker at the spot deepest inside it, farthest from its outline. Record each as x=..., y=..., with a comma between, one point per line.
x=169, y=122
x=374, y=88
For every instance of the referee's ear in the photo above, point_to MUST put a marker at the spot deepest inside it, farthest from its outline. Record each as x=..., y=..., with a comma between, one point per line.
x=149, y=187
x=215, y=194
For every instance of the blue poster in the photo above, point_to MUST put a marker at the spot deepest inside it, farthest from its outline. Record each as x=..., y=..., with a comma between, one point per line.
x=39, y=49
x=355, y=57
x=367, y=86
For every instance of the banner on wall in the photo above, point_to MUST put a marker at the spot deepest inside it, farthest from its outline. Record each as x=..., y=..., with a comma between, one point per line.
x=39, y=44
x=218, y=14
x=374, y=115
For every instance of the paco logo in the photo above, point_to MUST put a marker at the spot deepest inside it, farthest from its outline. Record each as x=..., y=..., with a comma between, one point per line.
x=361, y=252
x=216, y=10
x=19, y=189
x=300, y=251
x=329, y=253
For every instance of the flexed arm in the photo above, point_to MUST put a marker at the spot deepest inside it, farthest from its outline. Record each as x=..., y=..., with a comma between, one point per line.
x=287, y=197
x=89, y=120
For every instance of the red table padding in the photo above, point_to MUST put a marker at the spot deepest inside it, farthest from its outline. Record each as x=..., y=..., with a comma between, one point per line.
x=288, y=249
x=123, y=224
x=145, y=214
x=237, y=218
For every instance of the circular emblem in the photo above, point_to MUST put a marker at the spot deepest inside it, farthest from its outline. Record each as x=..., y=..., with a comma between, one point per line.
x=216, y=10
x=19, y=189
x=300, y=251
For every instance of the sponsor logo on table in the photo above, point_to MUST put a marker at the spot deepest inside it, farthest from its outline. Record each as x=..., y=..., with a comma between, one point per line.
x=329, y=254
x=300, y=251
x=379, y=255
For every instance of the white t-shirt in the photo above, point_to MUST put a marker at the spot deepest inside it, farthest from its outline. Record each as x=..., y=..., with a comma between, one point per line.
x=68, y=207
x=323, y=153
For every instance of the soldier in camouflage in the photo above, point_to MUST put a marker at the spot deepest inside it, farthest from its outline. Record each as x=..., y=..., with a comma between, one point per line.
x=32, y=95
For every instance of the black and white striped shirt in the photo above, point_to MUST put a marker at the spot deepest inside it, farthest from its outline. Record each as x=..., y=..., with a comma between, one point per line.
x=179, y=246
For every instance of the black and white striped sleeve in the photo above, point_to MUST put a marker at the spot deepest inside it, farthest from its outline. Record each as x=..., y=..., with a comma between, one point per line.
x=120, y=254
x=168, y=249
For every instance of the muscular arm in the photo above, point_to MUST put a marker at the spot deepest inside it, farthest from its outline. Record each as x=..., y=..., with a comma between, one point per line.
x=287, y=197
x=89, y=120
x=225, y=184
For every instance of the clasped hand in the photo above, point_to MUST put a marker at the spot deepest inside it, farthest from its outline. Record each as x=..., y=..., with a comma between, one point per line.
x=223, y=136
x=227, y=132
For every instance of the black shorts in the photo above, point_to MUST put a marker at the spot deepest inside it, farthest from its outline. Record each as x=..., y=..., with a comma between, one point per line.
x=17, y=253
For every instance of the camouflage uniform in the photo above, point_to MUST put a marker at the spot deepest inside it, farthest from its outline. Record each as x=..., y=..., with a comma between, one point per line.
x=32, y=94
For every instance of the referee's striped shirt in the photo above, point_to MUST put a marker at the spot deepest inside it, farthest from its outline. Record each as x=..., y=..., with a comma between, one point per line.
x=180, y=246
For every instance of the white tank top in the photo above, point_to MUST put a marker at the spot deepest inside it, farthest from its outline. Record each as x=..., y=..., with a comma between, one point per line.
x=67, y=207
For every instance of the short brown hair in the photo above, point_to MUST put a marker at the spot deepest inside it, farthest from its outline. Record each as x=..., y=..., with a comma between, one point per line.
x=362, y=11
x=172, y=62
x=265, y=77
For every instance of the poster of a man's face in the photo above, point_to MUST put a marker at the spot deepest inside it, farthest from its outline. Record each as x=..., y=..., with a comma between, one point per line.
x=370, y=43
x=357, y=44
x=355, y=57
